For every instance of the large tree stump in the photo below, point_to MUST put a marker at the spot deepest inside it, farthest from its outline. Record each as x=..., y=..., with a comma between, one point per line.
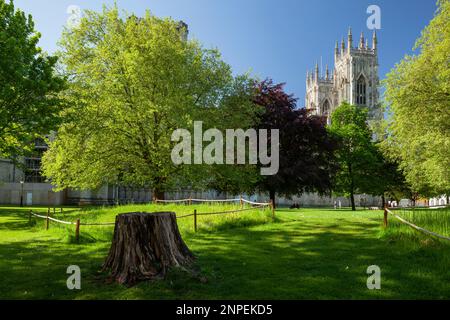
x=145, y=246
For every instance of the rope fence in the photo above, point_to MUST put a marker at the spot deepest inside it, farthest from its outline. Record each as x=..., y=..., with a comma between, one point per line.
x=241, y=200
x=51, y=219
x=231, y=211
x=77, y=223
x=255, y=203
x=412, y=225
x=190, y=200
x=216, y=200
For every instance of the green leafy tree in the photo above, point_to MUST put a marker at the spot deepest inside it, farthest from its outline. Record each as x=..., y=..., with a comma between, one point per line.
x=240, y=112
x=357, y=154
x=133, y=81
x=306, y=149
x=388, y=179
x=418, y=98
x=29, y=87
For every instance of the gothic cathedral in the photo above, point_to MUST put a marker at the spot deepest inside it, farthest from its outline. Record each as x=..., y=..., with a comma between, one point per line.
x=354, y=79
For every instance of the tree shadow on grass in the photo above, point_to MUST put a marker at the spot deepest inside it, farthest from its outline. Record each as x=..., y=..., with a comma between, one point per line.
x=291, y=260
x=317, y=261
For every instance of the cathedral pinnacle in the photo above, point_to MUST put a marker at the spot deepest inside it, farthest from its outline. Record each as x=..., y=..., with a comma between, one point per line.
x=374, y=40
x=349, y=39
x=361, y=41
x=317, y=71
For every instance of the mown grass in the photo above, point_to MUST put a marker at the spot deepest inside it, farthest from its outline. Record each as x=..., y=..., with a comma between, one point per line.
x=303, y=254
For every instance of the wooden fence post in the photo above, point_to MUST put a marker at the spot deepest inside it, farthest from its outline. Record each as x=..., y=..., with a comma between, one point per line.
x=385, y=219
x=61, y=210
x=54, y=211
x=47, y=220
x=77, y=231
x=241, y=202
x=190, y=201
x=195, y=220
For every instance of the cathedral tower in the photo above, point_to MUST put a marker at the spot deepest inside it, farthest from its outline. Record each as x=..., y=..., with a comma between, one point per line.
x=354, y=80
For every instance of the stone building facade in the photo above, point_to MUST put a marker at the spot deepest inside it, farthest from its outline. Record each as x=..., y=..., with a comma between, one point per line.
x=354, y=79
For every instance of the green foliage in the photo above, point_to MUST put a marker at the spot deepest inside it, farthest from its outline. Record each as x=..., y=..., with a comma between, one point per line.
x=418, y=97
x=357, y=155
x=29, y=102
x=133, y=81
x=390, y=180
x=363, y=167
x=233, y=179
x=238, y=112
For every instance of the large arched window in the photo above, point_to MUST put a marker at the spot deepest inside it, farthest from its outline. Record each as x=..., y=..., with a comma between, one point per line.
x=325, y=108
x=326, y=111
x=361, y=90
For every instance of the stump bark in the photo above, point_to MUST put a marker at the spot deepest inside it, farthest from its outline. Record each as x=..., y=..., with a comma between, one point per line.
x=145, y=246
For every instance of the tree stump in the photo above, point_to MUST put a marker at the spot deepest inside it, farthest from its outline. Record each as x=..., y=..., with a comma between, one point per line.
x=145, y=246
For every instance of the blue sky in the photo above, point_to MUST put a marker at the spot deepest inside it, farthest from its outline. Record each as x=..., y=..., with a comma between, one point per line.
x=278, y=39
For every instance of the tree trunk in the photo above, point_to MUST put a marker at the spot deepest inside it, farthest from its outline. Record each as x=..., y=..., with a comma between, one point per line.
x=352, y=187
x=272, y=198
x=383, y=201
x=352, y=200
x=158, y=194
x=145, y=246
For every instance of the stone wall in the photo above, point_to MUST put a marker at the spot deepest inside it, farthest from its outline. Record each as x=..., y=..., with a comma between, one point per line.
x=31, y=194
x=315, y=200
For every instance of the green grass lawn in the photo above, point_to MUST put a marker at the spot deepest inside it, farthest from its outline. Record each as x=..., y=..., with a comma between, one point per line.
x=435, y=220
x=303, y=254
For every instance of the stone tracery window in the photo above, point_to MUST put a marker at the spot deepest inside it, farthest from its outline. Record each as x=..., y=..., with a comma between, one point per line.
x=325, y=108
x=361, y=91
x=326, y=111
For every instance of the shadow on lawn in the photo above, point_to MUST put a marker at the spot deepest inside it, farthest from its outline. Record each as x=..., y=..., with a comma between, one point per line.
x=320, y=261
x=291, y=260
x=19, y=224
